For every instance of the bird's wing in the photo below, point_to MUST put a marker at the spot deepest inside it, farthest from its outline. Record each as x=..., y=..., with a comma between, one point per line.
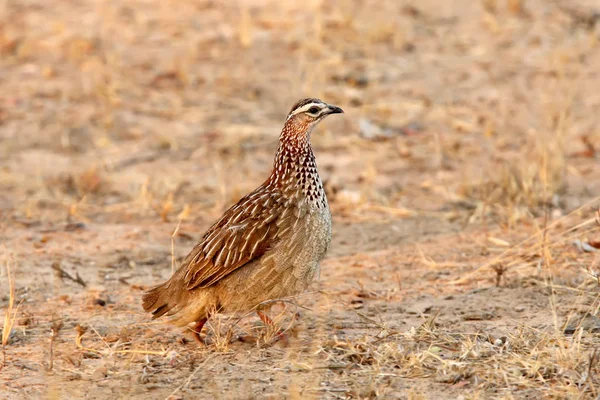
x=244, y=233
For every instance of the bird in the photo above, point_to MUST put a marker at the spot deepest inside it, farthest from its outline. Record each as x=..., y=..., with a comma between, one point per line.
x=267, y=246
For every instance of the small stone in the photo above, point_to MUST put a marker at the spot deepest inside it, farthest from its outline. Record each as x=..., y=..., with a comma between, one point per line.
x=100, y=373
x=569, y=330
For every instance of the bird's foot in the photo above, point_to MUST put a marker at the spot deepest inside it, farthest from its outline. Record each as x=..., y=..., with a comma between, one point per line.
x=196, y=332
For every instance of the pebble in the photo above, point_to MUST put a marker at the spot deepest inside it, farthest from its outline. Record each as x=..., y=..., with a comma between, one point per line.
x=100, y=373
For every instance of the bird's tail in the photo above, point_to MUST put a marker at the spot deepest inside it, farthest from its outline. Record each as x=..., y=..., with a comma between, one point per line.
x=159, y=300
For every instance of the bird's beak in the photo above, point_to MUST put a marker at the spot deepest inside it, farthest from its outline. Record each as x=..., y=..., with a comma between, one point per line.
x=334, y=109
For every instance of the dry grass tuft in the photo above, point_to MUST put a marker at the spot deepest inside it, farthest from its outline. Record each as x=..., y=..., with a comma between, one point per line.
x=552, y=364
x=521, y=187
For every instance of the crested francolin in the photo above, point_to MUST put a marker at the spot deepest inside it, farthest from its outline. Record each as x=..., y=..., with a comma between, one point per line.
x=266, y=246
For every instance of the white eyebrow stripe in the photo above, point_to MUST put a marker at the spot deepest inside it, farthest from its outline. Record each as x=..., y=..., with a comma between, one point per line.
x=307, y=107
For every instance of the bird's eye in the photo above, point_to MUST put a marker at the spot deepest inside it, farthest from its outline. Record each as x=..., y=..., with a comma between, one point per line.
x=314, y=110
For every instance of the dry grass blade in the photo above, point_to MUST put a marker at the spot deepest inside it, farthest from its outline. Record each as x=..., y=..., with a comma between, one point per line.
x=10, y=314
x=173, y=235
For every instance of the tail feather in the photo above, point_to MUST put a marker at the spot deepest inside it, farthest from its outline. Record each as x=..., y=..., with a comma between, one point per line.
x=158, y=300
x=172, y=299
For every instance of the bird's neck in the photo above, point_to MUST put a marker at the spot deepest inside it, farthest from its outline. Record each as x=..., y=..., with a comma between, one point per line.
x=295, y=169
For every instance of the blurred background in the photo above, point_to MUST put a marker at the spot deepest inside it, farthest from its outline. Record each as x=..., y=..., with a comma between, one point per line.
x=180, y=103
x=127, y=127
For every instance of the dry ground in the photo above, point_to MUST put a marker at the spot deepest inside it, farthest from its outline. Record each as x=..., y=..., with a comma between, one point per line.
x=463, y=181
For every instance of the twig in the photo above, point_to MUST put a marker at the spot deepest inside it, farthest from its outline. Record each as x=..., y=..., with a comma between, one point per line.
x=372, y=321
x=137, y=159
x=62, y=274
x=56, y=327
x=590, y=371
x=544, y=250
x=81, y=330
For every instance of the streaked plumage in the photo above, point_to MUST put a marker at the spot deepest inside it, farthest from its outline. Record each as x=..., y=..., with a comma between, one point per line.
x=267, y=246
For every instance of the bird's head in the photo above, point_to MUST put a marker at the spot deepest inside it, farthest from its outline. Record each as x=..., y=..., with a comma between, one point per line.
x=307, y=113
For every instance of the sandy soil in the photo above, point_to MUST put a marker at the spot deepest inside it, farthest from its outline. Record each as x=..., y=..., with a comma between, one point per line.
x=463, y=181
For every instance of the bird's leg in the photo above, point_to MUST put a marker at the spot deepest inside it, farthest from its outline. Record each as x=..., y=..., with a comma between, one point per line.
x=197, y=329
x=269, y=322
x=264, y=318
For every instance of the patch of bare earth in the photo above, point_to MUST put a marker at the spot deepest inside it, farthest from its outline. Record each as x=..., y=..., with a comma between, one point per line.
x=463, y=182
